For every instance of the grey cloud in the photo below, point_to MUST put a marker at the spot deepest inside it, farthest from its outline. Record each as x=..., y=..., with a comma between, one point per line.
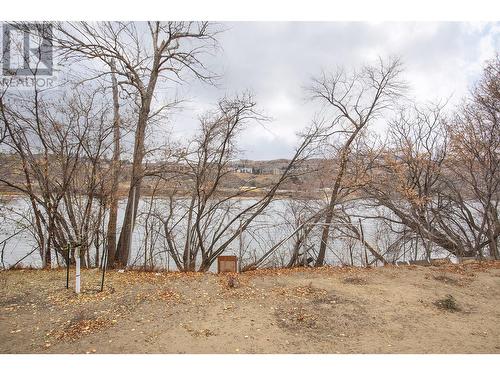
x=275, y=60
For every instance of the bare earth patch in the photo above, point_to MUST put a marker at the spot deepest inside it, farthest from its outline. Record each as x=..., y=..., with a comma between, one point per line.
x=445, y=309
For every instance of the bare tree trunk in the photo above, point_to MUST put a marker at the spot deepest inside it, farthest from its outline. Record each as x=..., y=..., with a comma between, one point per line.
x=124, y=243
x=333, y=197
x=47, y=263
x=115, y=166
x=378, y=87
x=320, y=260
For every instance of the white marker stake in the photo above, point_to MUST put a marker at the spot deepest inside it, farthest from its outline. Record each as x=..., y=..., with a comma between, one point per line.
x=77, y=271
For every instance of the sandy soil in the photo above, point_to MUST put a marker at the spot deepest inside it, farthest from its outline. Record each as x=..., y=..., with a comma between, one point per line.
x=327, y=310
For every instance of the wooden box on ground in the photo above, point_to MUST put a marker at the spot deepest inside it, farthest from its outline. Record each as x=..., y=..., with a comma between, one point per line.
x=227, y=263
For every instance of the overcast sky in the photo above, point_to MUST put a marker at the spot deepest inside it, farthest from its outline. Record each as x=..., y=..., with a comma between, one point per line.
x=276, y=61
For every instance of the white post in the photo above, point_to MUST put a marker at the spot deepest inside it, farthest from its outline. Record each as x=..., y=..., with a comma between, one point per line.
x=241, y=246
x=131, y=228
x=77, y=271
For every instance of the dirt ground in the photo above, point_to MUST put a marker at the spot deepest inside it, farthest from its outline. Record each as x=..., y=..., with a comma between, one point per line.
x=411, y=309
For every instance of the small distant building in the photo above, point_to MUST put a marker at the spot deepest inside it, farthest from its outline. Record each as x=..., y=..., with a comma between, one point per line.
x=244, y=170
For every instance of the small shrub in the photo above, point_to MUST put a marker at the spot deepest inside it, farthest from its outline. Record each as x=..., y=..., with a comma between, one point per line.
x=448, y=303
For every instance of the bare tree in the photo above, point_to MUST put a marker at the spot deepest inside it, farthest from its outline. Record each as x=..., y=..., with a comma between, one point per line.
x=439, y=182
x=143, y=54
x=354, y=101
x=211, y=218
x=58, y=145
x=115, y=169
x=474, y=159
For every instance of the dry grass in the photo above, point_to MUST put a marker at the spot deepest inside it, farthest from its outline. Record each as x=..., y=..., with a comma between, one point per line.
x=323, y=310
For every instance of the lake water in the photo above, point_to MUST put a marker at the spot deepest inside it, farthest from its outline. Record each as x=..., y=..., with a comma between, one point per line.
x=267, y=230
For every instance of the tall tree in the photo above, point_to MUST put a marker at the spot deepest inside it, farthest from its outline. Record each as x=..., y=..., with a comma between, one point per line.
x=353, y=101
x=144, y=54
x=475, y=158
x=115, y=169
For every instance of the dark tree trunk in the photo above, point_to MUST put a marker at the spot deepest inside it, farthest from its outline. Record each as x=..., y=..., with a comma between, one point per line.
x=320, y=260
x=124, y=243
x=113, y=204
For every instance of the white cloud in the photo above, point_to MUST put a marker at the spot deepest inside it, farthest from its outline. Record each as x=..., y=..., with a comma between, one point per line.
x=276, y=60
